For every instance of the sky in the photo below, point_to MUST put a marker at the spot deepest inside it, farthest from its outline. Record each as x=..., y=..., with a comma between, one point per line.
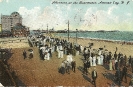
x=37, y=14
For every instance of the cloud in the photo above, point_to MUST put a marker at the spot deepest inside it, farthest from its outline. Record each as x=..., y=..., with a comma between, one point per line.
x=30, y=17
x=57, y=16
x=37, y=18
x=129, y=14
x=1, y=0
x=95, y=19
x=110, y=9
x=106, y=20
x=7, y=1
x=4, y=0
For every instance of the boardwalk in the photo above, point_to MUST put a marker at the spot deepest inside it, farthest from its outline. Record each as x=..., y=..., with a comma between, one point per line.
x=36, y=72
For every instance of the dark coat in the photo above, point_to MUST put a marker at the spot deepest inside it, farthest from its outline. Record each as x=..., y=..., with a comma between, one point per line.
x=118, y=75
x=93, y=76
x=132, y=63
x=88, y=64
x=115, y=55
x=124, y=71
x=24, y=54
x=73, y=63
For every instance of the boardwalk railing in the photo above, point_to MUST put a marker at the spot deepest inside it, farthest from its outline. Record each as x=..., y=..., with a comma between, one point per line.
x=9, y=74
x=31, y=43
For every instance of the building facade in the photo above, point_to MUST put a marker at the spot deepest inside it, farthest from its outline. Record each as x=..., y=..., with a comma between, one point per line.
x=8, y=21
x=20, y=31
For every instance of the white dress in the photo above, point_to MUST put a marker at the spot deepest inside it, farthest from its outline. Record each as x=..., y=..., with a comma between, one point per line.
x=94, y=61
x=110, y=65
x=58, y=51
x=61, y=52
x=90, y=60
x=99, y=53
x=81, y=48
x=99, y=61
x=69, y=58
x=44, y=42
x=47, y=55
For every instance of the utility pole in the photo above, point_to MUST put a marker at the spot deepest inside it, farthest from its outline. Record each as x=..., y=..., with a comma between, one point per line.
x=47, y=28
x=1, y=25
x=76, y=35
x=68, y=30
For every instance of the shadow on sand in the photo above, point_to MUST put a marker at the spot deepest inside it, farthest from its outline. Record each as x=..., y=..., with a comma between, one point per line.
x=111, y=77
x=80, y=68
x=19, y=82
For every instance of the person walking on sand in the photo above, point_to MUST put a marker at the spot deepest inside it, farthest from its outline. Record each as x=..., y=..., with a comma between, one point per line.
x=60, y=51
x=73, y=63
x=63, y=68
x=115, y=56
x=31, y=53
x=118, y=75
x=24, y=54
x=110, y=64
x=90, y=58
x=129, y=61
x=132, y=65
x=69, y=58
x=94, y=61
x=68, y=65
x=124, y=73
x=94, y=76
x=101, y=59
x=113, y=63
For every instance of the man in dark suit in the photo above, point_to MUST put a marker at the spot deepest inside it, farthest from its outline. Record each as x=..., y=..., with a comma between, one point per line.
x=73, y=63
x=115, y=56
x=118, y=75
x=132, y=64
x=24, y=54
x=94, y=76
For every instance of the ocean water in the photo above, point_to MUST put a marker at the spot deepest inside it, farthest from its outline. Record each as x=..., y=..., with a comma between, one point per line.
x=106, y=35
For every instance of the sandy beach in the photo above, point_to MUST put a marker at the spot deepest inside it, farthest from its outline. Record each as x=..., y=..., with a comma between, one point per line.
x=14, y=42
x=126, y=48
x=37, y=72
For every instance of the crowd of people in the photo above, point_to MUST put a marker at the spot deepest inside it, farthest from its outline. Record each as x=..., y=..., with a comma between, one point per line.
x=118, y=62
x=91, y=57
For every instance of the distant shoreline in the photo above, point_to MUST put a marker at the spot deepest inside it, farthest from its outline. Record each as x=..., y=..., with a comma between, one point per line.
x=113, y=41
x=105, y=40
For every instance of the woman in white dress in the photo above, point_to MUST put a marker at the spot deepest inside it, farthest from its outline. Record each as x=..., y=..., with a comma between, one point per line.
x=101, y=59
x=94, y=61
x=110, y=65
x=69, y=58
x=90, y=60
x=46, y=54
x=99, y=52
x=61, y=52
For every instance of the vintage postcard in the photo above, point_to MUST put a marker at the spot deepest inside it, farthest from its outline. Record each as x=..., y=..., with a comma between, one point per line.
x=66, y=43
